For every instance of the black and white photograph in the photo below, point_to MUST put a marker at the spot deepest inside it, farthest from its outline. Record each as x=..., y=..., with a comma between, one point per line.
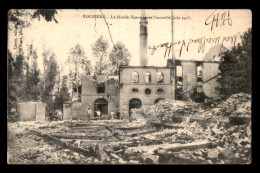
x=129, y=87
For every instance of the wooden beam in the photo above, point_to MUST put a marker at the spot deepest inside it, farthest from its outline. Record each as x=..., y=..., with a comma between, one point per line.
x=129, y=128
x=170, y=126
x=85, y=141
x=115, y=156
x=189, y=146
x=153, y=149
x=86, y=127
x=77, y=137
x=63, y=144
x=142, y=133
x=119, y=159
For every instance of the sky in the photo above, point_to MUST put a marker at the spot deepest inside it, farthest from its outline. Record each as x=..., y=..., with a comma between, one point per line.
x=79, y=27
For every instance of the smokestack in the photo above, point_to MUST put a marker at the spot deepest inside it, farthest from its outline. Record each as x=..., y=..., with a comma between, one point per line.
x=143, y=40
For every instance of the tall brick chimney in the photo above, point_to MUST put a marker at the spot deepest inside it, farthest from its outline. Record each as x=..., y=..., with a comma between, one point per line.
x=143, y=40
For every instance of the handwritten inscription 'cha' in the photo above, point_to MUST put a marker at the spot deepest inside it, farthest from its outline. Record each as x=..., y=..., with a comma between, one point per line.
x=218, y=19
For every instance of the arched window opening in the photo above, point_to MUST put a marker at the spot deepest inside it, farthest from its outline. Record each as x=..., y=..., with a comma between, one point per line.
x=135, y=77
x=199, y=81
x=159, y=77
x=179, y=76
x=101, y=88
x=199, y=89
x=199, y=70
x=147, y=78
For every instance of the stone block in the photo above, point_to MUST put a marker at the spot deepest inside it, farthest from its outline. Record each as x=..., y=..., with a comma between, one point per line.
x=76, y=110
x=40, y=111
x=27, y=111
x=234, y=120
x=67, y=115
x=226, y=154
x=213, y=153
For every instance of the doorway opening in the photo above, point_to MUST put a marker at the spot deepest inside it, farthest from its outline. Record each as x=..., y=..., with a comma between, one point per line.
x=134, y=104
x=101, y=105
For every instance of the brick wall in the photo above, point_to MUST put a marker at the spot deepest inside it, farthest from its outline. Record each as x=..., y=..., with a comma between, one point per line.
x=210, y=69
x=189, y=78
x=89, y=93
x=126, y=93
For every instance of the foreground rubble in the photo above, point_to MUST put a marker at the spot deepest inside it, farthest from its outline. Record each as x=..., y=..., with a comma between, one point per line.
x=146, y=140
x=147, y=145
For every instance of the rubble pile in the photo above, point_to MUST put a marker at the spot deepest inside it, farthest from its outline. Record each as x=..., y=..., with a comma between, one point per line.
x=164, y=110
x=236, y=105
x=135, y=146
x=228, y=145
x=26, y=148
x=138, y=141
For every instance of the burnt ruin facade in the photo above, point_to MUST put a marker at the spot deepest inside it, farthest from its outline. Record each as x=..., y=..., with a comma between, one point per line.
x=137, y=86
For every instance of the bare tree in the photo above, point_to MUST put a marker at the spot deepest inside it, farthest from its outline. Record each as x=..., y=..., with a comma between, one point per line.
x=78, y=64
x=119, y=56
x=49, y=78
x=99, y=49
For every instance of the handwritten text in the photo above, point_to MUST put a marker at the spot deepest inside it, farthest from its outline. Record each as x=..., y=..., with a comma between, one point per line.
x=219, y=20
x=202, y=41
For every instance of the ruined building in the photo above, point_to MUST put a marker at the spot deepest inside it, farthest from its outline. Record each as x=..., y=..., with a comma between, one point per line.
x=146, y=85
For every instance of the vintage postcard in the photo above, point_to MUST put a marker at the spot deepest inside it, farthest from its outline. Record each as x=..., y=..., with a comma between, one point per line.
x=129, y=86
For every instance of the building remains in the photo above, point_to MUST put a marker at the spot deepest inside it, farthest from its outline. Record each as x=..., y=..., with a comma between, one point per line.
x=186, y=80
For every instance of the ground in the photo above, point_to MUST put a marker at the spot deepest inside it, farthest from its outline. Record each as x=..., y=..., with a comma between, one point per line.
x=202, y=136
x=129, y=145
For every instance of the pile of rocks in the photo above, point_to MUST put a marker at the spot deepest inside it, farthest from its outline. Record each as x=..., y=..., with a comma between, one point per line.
x=236, y=108
x=229, y=144
x=164, y=110
x=236, y=105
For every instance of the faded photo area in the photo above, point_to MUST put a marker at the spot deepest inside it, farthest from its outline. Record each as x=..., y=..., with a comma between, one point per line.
x=139, y=86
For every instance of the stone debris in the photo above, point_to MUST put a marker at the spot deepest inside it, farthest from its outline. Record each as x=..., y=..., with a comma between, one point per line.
x=226, y=154
x=164, y=110
x=229, y=145
x=237, y=105
x=139, y=141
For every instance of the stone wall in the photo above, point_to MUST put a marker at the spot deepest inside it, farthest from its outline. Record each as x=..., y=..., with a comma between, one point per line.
x=189, y=78
x=121, y=101
x=76, y=110
x=67, y=115
x=112, y=90
x=40, y=111
x=210, y=69
x=126, y=85
x=31, y=111
x=89, y=93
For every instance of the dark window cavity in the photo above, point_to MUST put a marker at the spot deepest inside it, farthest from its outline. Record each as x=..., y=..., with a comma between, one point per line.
x=134, y=90
x=147, y=91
